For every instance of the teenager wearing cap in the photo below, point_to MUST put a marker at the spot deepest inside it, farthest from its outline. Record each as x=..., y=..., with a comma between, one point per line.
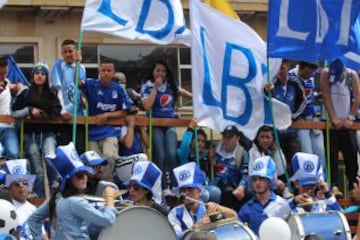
x=144, y=186
x=68, y=210
x=19, y=184
x=265, y=203
x=230, y=160
x=38, y=101
x=341, y=94
x=309, y=176
x=192, y=212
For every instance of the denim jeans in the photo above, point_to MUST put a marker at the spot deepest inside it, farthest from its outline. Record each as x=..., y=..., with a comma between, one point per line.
x=37, y=147
x=165, y=145
x=312, y=141
x=10, y=141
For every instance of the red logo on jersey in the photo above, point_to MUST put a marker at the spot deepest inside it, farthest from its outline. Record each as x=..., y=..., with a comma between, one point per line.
x=220, y=168
x=308, y=92
x=165, y=99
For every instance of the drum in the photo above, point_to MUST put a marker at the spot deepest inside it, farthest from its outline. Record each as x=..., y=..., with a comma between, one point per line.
x=329, y=225
x=124, y=166
x=139, y=223
x=226, y=229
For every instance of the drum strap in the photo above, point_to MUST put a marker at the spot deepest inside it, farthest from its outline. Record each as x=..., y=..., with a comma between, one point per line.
x=179, y=216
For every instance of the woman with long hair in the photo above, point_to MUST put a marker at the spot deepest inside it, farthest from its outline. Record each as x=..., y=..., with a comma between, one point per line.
x=160, y=93
x=38, y=101
x=69, y=212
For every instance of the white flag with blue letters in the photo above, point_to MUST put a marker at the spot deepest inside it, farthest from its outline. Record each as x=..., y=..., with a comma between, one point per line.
x=228, y=68
x=312, y=30
x=160, y=22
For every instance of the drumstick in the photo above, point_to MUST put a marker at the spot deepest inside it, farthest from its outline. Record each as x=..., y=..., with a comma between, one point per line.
x=183, y=196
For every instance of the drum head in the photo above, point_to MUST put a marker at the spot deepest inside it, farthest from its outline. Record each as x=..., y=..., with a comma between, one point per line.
x=139, y=223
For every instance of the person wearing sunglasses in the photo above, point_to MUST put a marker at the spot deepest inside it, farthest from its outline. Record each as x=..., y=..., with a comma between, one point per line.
x=19, y=184
x=309, y=179
x=144, y=186
x=69, y=212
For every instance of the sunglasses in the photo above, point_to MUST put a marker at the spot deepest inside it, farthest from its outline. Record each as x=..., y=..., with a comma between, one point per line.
x=134, y=186
x=20, y=184
x=80, y=175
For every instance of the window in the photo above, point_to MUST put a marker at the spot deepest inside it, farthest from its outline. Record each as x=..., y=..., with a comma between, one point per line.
x=136, y=61
x=23, y=53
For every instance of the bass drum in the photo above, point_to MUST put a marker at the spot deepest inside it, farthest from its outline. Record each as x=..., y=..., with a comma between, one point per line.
x=328, y=225
x=226, y=229
x=139, y=223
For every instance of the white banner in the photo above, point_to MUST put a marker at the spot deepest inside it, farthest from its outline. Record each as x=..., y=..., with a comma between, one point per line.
x=228, y=69
x=2, y=3
x=156, y=21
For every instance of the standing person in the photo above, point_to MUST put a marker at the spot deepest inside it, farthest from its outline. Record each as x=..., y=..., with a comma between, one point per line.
x=311, y=140
x=144, y=186
x=265, y=203
x=39, y=101
x=190, y=180
x=160, y=94
x=62, y=81
x=309, y=178
x=264, y=145
x=69, y=212
x=8, y=134
x=107, y=100
x=289, y=92
x=338, y=85
x=231, y=162
x=19, y=184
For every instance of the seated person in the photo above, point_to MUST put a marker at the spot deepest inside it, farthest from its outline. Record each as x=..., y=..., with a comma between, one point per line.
x=192, y=212
x=187, y=153
x=308, y=176
x=231, y=168
x=265, y=203
x=144, y=186
x=19, y=184
x=96, y=182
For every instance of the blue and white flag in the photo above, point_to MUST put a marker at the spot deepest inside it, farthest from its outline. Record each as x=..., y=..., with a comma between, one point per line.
x=312, y=30
x=160, y=22
x=15, y=74
x=352, y=59
x=228, y=68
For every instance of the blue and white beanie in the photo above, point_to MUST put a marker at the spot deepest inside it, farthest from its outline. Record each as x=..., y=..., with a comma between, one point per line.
x=40, y=66
x=67, y=162
x=148, y=176
x=17, y=170
x=307, y=169
x=92, y=159
x=264, y=167
x=189, y=175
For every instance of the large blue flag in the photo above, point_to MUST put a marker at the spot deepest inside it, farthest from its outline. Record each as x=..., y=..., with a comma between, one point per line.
x=312, y=30
x=15, y=75
x=352, y=59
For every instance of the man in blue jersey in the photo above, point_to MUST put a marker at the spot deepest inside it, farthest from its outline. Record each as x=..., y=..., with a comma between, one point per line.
x=107, y=100
x=62, y=81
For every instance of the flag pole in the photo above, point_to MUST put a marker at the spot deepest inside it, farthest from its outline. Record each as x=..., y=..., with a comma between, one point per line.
x=76, y=90
x=277, y=142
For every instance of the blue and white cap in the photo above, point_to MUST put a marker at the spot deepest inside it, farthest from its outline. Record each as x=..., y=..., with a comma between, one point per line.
x=148, y=176
x=92, y=159
x=17, y=170
x=67, y=162
x=264, y=167
x=307, y=168
x=189, y=175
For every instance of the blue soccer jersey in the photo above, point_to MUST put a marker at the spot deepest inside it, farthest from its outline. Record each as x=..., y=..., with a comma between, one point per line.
x=105, y=99
x=164, y=104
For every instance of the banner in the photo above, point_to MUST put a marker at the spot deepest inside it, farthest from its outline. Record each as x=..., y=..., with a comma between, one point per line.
x=228, y=69
x=223, y=6
x=156, y=21
x=15, y=75
x=312, y=30
x=2, y=3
